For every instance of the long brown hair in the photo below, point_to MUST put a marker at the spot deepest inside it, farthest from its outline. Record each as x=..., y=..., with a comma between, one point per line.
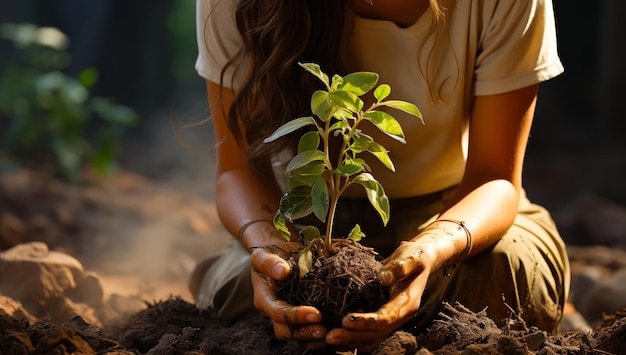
x=276, y=35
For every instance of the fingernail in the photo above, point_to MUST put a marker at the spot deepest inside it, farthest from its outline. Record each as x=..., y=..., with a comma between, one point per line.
x=335, y=340
x=279, y=270
x=317, y=334
x=313, y=318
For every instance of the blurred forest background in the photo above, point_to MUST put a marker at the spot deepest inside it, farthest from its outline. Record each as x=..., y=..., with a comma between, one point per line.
x=143, y=54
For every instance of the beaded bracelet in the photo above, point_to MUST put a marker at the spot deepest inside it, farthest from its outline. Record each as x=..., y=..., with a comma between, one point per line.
x=468, y=235
x=248, y=224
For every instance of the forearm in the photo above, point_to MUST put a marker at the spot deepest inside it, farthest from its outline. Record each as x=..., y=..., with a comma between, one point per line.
x=487, y=211
x=488, y=196
x=243, y=197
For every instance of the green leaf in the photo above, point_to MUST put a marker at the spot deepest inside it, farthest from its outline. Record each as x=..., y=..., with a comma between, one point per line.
x=346, y=100
x=321, y=105
x=343, y=115
x=290, y=127
x=305, y=261
x=359, y=83
x=339, y=126
x=88, y=77
x=113, y=113
x=310, y=232
x=296, y=203
x=315, y=70
x=335, y=82
x=386, y=123
x=305, y=158
x=382, y=154
x=320, y=198
x=382, y=92
x=360, y=142
x=350, y=167
x=356, y=234
x=309, y=141
x=375, y=194
x=281, y=225
x=406, y=107
x=307, y=174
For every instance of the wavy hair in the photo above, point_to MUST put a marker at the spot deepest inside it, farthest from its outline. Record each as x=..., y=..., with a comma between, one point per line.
x=276, y=35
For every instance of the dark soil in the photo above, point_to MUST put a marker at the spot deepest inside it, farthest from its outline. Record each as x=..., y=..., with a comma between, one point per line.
x=345, y=281
x=175, y=326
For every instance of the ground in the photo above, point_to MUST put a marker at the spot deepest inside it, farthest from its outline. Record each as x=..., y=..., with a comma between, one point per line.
x=140, y=240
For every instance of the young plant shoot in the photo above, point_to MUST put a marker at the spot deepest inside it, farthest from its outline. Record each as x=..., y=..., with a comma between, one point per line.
x=315, y=183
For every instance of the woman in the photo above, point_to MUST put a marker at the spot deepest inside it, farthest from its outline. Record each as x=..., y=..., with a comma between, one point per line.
x=461, y=228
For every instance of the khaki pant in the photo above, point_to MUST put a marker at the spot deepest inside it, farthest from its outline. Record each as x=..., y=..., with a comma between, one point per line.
x=527, y=270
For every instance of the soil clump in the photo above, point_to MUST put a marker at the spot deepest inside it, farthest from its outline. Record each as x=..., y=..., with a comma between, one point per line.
x=345, y=281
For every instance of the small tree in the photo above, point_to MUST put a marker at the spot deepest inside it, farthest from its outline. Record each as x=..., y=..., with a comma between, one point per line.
x=315, y=183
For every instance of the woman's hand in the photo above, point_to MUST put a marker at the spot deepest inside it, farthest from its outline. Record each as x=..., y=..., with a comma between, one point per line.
x=406, y=271
x=299, y=323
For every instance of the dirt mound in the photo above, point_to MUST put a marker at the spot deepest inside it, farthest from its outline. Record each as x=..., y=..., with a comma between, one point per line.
x=133, y=228
x=177, y=327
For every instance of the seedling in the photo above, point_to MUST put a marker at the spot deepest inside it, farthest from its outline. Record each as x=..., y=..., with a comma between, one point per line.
x=315, y=182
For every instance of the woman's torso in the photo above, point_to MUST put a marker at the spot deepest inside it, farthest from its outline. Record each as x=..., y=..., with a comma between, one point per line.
x=480, y=47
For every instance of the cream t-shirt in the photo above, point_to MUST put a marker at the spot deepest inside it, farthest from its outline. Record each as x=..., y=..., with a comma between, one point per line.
x=484, y=47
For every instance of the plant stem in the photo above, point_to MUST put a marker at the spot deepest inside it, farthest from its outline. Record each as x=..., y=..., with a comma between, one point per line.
x=332, y=189
x=329, y=223
x=336, y=187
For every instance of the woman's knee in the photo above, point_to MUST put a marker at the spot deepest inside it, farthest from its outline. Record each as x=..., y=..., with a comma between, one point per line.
x=531, y=282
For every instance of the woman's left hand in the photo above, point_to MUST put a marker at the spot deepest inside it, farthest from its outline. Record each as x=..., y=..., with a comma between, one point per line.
x=406, y=271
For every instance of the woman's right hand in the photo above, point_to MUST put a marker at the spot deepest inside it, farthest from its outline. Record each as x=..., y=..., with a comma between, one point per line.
x=298, y=323
x=254, y=193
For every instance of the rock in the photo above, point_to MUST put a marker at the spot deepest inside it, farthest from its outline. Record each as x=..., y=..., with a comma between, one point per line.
x=60, y=309
x=573, y=322
x=593, y=220
x=33, y=274
x=12, y=228
x=605, y=297
x=13, y=308
x=49, y=284
x=88, y=289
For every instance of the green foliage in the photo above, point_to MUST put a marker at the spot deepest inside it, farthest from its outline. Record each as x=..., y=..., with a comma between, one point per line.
x=315, y=182
x=49, y=120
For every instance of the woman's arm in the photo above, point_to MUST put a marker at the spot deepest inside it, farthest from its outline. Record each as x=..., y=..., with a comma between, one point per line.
x=244, y=196
x=486, y=202
x=488, y=196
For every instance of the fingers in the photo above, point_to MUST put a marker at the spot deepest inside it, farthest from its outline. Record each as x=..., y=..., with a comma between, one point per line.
x=308, y=333
x=405, y=301
x=278, y=310
x=408, y=259
x=390, y=316
x=270, y=264
x=295, y=326
x=299, y=323
x=365, y=331
x=268, y=268
x=364, y=341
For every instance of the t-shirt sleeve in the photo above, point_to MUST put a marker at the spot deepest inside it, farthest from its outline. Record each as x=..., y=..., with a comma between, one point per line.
x=217, y=38
x=517, y=47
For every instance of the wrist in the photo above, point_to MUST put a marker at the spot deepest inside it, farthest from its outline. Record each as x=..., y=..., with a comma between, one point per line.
x=258, y=232
x=451, y=241
x=461, y=227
